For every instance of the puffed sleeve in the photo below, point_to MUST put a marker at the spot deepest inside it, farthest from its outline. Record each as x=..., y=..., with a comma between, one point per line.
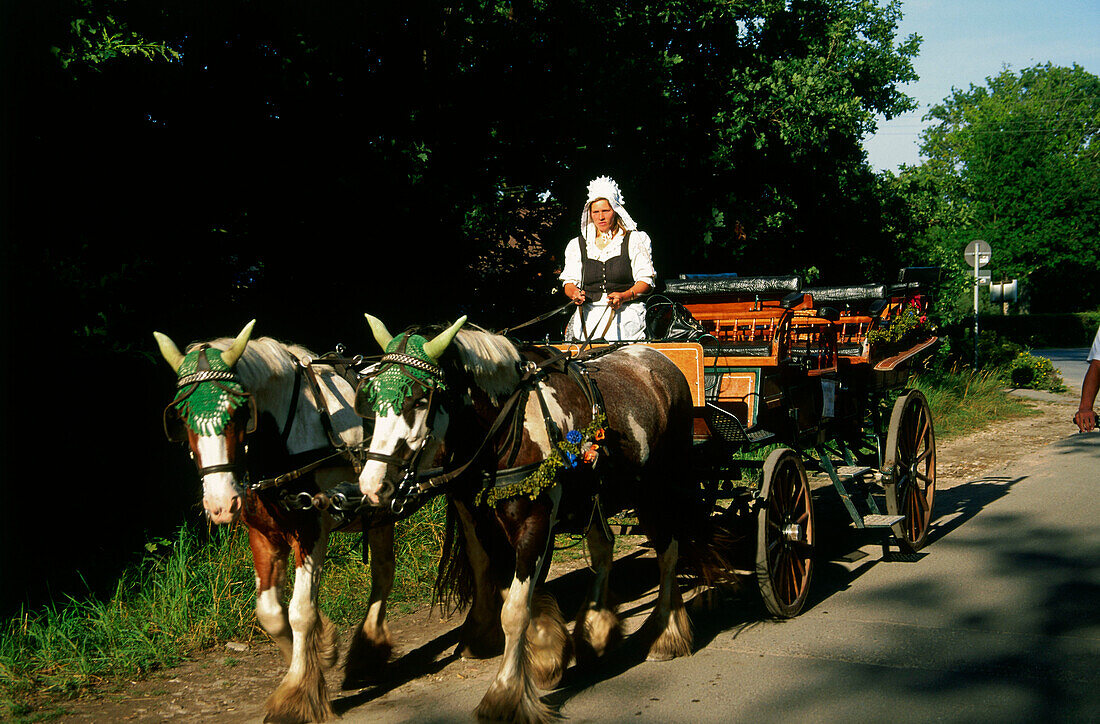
x=571, y=273
x=641, y=258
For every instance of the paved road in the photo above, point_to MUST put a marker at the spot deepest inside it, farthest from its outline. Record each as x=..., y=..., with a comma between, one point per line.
x=1070, y=363
x=998, y=621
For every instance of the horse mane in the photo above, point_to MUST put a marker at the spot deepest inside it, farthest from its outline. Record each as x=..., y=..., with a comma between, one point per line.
x=264, y=360
x=490, y=360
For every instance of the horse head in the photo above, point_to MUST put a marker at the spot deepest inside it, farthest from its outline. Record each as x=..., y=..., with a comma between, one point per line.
x=402, y=396
x=213, y=413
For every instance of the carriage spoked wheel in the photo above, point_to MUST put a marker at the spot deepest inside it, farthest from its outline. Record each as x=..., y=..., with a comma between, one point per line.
x=910, y=470
x=784, y=534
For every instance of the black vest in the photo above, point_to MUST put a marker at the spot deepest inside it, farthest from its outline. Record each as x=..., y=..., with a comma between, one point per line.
x=613, y=275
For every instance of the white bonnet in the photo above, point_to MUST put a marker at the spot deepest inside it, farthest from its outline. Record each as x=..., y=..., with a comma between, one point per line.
x=604, y=187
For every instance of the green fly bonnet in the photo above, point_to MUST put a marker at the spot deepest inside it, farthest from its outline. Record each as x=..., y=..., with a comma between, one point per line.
x=408, y=367
x=208, y=392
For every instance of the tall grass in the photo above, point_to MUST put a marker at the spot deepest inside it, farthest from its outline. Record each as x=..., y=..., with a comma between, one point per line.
x=185, y=595
x=964, y=402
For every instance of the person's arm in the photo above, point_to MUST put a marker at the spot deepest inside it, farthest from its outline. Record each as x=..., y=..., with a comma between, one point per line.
x=1086, y=416
x=571, y=272
x=615, y=299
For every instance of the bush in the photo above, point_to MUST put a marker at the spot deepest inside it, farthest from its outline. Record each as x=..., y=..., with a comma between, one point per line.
x=1036, y=373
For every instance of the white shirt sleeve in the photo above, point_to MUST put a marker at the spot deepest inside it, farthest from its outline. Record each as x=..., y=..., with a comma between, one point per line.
x=1094, y=353
x=641, y=258
x=571, y=272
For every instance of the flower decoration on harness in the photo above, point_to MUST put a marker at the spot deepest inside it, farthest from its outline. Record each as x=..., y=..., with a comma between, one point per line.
x=208, y=392
x=577, y=447
x=403, y=370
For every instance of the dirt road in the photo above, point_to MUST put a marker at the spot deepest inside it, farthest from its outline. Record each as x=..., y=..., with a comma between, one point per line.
x=230, y=685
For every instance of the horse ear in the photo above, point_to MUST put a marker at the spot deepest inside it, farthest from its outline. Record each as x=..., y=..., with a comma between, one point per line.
x=435, y=348
x=231, y=355
x=381, y=334
x=169, y=350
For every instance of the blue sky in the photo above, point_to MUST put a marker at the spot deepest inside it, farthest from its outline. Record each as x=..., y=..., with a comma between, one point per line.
x=966, y=41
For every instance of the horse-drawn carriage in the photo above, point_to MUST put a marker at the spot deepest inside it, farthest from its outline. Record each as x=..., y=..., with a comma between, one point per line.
x=804, y=375
x=528, y=439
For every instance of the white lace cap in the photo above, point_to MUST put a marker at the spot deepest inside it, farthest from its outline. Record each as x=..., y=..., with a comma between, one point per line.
x=604, y=187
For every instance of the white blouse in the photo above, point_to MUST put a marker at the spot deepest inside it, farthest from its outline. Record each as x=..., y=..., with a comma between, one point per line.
x=640, y=253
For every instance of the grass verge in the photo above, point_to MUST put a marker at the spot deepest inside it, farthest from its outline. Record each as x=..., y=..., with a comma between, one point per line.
x=189, y=593
x=965, y=402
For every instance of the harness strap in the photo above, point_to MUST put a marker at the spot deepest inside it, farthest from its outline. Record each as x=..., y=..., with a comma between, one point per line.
x=531, y=372
x=285, y=436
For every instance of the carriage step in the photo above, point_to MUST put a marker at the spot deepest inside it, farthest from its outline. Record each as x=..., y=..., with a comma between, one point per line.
x=759, y=435
x=851, y=472
x=881, y=521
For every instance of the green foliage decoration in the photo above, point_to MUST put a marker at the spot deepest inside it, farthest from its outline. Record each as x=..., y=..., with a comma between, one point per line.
x=578, y=447
x=910, y=323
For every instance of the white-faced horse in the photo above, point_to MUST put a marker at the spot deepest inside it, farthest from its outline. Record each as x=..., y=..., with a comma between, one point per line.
x=528, y=441
x=253, y=406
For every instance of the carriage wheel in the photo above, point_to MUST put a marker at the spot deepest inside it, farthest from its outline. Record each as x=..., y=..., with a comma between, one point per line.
x=784, y=534
x=911, y=469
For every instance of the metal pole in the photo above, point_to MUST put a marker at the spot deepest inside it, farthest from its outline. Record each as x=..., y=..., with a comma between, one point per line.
x=977, y=286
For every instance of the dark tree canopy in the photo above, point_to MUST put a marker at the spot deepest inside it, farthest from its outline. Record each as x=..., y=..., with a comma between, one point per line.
x=188, y=166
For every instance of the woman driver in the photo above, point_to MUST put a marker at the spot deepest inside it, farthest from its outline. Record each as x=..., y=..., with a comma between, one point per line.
x=607, y=269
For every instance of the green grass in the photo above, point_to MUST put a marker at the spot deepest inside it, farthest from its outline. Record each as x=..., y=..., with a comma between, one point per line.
x=186, y=595
x=965, y=402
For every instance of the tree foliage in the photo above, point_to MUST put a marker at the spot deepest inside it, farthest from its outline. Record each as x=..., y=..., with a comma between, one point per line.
x=188, y=166
x=1017, y=163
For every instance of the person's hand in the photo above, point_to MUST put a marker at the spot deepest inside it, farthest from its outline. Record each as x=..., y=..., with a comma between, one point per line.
x=618, y=299
x=1085, y=420
x=575, y=293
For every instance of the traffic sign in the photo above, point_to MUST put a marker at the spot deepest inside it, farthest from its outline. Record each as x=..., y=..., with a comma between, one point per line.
x=984, y=276
x=1004, y=292
x=980, y=249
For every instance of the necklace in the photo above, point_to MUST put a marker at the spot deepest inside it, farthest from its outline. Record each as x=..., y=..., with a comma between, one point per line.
x=603, y=239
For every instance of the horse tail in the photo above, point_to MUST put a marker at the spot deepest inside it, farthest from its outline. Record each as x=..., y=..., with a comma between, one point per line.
x=454, y=583
x=707, y=548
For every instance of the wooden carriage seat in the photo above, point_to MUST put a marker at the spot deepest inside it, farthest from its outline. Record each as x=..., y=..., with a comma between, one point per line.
x=746, y=318
x=858, y=309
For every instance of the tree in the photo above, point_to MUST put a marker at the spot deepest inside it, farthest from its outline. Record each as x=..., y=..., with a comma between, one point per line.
x=1016, y=162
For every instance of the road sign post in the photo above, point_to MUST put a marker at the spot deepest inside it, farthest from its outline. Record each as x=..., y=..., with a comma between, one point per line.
x=978, y=253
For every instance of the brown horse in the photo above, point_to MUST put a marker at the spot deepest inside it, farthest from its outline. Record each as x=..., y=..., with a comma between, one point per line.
x=253, y=407
x=528, y=446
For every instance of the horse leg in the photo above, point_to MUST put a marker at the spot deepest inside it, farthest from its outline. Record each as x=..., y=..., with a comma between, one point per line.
x=481, y=636
x=597, y=626
x=269, y=560
x=371, y=647
x=513, y=695
x=548, y=643
x=302, y=695
x=669, y=618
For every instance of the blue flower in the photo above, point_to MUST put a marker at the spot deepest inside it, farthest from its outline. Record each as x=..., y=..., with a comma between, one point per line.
x=573, y=436
x=572, y=458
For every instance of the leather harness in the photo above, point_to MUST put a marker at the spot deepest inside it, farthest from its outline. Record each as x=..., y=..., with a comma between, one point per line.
x=424, y=484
